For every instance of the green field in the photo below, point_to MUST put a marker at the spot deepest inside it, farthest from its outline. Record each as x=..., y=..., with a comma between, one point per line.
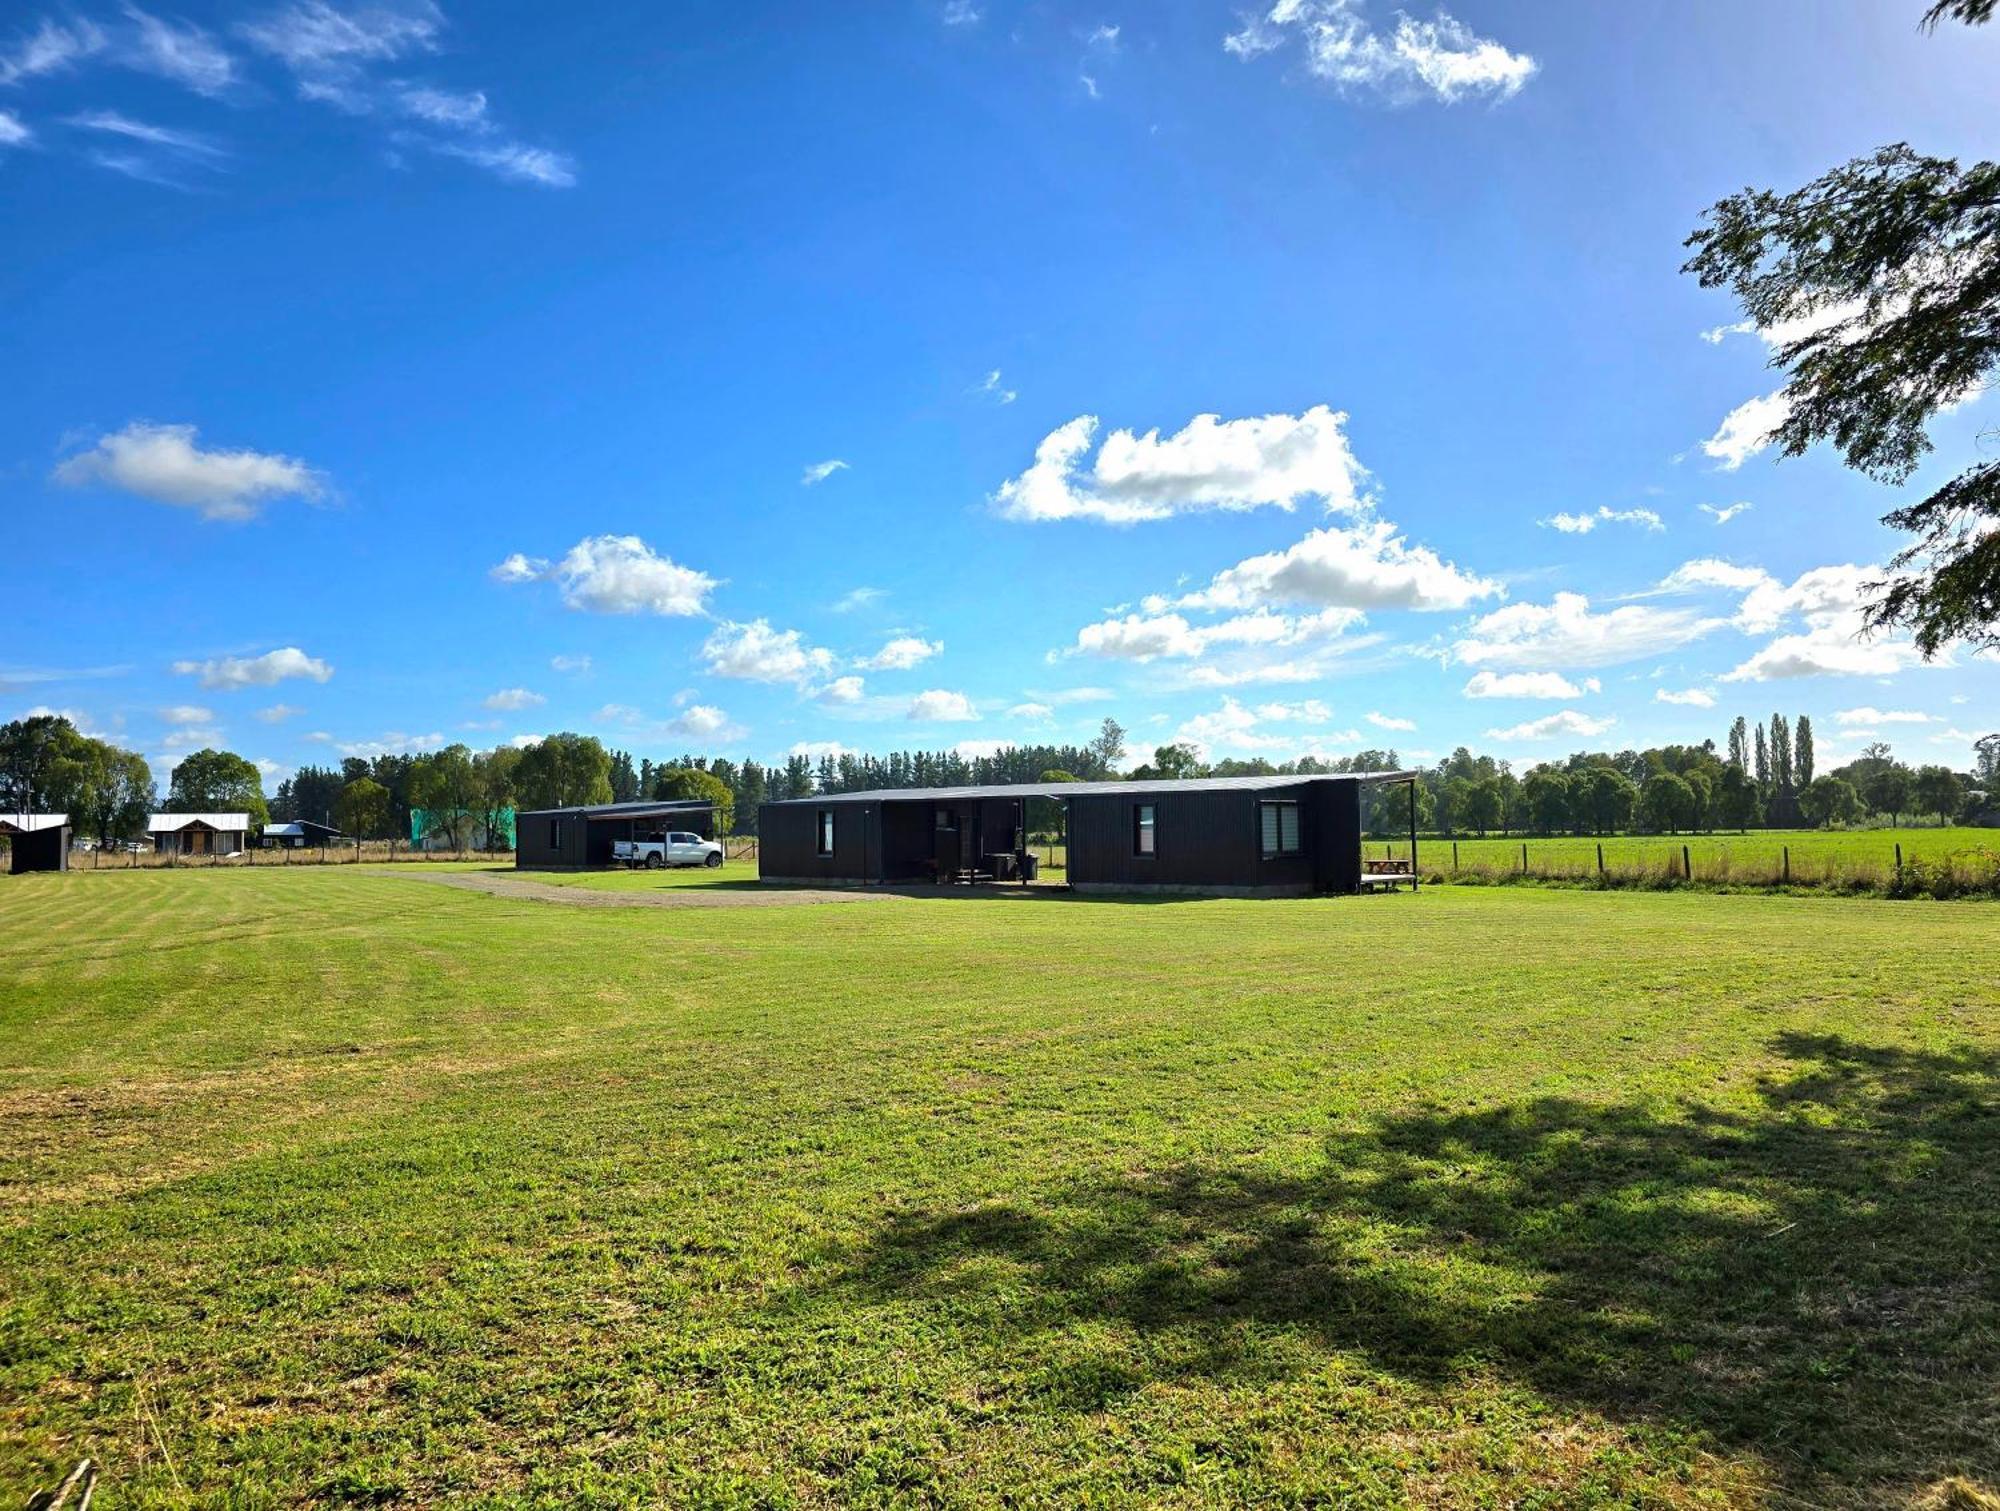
x=1817, y=855
x=341, y=1185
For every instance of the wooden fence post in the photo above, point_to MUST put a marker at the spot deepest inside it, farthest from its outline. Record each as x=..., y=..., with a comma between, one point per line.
x=1788, y=865
x=1524, y=858
x=1687, y=865
x=1899, y=863
x=1600, y=860
x=1454, y=857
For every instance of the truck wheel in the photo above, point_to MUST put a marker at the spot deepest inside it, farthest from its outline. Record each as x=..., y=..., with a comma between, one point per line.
x=713, y=860
x=655, y=861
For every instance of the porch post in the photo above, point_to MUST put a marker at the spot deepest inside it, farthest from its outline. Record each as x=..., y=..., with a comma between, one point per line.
x=1413, y=834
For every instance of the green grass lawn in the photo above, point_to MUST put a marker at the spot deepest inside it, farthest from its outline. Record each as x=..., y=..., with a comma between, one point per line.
x=338, y=1185
x=731, y=873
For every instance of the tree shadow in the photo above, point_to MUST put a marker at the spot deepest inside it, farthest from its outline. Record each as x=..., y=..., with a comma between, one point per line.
x=1813, y=1277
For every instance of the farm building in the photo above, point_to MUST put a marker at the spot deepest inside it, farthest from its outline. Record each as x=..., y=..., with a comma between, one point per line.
x=443, y=829
x=299, y=834
x=1260, y=836
x=572, y=838
x=199, y=833
x=36, y=841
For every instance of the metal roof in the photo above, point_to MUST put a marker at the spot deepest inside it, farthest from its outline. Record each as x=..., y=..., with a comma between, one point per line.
x=296, y=829
x=1094, y=789
x=167, y=823
x=622, y=810
x=32, y=823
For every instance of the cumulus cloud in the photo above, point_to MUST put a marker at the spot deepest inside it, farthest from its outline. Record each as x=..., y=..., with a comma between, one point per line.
x=1830, y=605
x=1234, y=726
x=1567, y=722
x=577, y=664
x=814, y=749
x=1583, y=524
x=1724, y=513
x=902, y=653
x=1875, y=716
x=1565, y=632
x=843, y=690
x=819, y=472
x=1441, y=59
x=1367, y=566
x=231, y=672
x=937, y=706
x=1387, y=721
x=398, y=743
x=755, y=652
x=513, y=699
x=615, y=574
x=1211, y=463
x=1746, y=430
x=1549, y=685
x=1693, y=697
x=163, y=463
x=1143, y=638
x=1034, y=713
x=277, y=713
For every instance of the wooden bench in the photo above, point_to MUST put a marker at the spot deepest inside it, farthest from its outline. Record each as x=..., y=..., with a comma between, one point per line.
x=1387, y=873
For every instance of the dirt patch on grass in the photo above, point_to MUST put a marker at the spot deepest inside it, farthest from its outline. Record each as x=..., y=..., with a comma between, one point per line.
x=667, y=897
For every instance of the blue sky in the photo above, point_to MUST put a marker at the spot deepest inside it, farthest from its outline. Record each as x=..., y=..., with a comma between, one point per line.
x=747, y=379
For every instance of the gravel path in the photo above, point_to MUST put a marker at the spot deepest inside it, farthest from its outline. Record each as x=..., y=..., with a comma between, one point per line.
x=496, y=885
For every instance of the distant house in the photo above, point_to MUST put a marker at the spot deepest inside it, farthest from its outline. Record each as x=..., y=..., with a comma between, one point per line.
x=431, y=830
x=199, y=833
x=36, y=841
x=297, y=835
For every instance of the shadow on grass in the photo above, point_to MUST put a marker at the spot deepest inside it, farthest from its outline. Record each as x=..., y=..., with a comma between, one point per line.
x=1813, y=1278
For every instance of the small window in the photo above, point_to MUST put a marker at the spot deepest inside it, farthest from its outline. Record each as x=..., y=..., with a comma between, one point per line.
x=1278, y=825
x=1145, y=821
x=555, y=834
x=826, y=831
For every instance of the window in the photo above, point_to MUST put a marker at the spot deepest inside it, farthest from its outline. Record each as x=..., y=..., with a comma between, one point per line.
x=555, y=834
x=1145, y=821
x=826, y=831
x=1278, y=824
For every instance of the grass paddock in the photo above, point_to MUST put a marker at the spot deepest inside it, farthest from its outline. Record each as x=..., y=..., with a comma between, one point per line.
x=333, y=1185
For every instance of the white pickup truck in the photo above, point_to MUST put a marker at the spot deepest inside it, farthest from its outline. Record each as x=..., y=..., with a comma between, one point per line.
x=671, y=849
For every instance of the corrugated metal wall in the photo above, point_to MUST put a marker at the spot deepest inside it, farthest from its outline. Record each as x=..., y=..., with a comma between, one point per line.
x=788, y=839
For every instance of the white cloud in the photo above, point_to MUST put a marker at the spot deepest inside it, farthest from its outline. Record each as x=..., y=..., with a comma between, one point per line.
x=183, y=53
x=50, y=48
x=1724, y=513
x=1368, y=566
x=514, y=161
x=277, y=713
x=938, y=706
x=902, y=653
x=1830, y=601
x=697, y=721
x=1089, y=85
x=231, y=672
x=1550, y=685
x=14, y=131
x=187, y=713
x=1693, y=697
x=843, y=690
x=578, y=664
x=1746, y=430
x=859, y=598
x=1234, y=727
x=1583, y=524
x=819, y=472
x=1034, y=713
x=1567, y=722
x=513, y=699
x=1211, y=463
x=398, y=743
x=1386, y=721
x=977, y=750
x=755, y=652
x=1564, y=632
x=522, y=742
x=959, y=13
x=163, y=463
x=1144, y=638
x=1849, y=716
x=814, y=749
x=313, y=37
x=1441, y=59
x=616, y=574
x=991, y=386
x=442, y=107
x=111, y=123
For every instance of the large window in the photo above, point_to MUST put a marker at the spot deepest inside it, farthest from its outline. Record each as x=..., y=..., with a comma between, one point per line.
x=1145, y=821
x=1278, y=824
x=826, y=831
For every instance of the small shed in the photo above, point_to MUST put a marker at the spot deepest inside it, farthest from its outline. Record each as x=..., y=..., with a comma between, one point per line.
x=299, y=834
x=199, y=833
x=574, y=838
x=36, y=841
x=1256, y=836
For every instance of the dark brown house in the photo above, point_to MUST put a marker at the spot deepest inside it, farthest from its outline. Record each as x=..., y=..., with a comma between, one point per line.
x=1261, y=836
x=36, y=841
x=556, y=839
